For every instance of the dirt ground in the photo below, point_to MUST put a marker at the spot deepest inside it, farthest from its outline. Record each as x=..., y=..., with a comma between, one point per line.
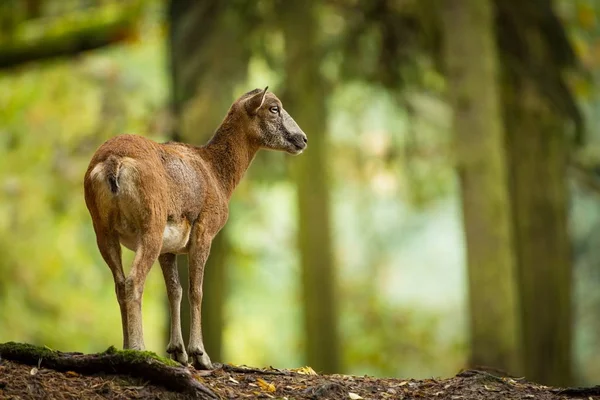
x=19, y=381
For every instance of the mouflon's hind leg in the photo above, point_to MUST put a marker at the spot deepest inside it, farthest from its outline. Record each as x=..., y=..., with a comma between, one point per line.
x=176, y=347
x=110, y=249
x=147, y=252
x=198, y=254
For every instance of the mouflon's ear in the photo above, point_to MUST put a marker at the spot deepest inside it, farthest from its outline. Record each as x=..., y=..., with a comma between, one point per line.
x=255, y=102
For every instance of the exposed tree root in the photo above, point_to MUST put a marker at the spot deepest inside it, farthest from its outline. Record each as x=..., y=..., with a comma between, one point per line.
x=244, y=370
x=140, y=364
x=579, y=391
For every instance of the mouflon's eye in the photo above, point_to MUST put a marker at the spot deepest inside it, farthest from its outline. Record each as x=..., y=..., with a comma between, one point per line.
x=274, y=109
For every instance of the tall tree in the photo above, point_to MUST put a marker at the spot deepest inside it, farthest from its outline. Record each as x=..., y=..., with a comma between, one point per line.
x=471, y=60
x=538, y=162
x=209, y=56
x=537, y=105
x=305, y=98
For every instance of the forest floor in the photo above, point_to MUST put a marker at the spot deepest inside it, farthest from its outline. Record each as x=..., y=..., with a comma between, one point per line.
x=23, y=378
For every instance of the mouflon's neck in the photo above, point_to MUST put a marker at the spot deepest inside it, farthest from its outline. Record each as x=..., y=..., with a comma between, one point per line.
x=230, y=153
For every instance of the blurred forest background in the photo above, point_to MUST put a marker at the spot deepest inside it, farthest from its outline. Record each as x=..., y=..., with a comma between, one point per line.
x=446, y=212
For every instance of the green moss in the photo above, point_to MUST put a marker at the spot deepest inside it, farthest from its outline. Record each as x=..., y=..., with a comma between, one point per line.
x=137, y=356
x=27, y=349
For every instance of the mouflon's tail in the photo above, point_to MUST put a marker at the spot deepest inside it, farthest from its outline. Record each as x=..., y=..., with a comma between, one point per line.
x=112, y=170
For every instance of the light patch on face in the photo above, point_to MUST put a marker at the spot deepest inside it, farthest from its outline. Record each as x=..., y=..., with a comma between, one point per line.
x=273, y=136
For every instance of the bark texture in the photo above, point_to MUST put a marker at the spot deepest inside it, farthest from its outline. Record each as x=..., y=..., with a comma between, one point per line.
x=537, y=106
x=538, y=164
x=471, y=61
x=305, y=99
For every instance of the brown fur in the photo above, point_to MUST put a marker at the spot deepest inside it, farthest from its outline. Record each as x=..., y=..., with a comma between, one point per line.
x=160, y=200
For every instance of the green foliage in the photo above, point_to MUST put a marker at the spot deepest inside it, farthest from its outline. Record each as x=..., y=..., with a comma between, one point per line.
x=35, y=39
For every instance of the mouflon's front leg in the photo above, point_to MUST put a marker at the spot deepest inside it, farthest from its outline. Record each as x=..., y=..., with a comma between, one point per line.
x=198, y=254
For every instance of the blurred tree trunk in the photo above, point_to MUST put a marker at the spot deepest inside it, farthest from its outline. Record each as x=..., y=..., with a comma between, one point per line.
x=305, y=99
x=208, y=59
x=537, y=148
x=471, y=61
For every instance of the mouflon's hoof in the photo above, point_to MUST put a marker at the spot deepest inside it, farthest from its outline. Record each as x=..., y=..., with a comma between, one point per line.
x=201, y=361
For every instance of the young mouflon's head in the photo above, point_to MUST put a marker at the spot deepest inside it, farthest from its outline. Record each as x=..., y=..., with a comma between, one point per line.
x=270, y=124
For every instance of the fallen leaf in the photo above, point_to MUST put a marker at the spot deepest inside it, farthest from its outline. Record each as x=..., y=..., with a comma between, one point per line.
x=71, y=373
x=266, y=386
x=491, y=389
x=354, y=396
x=305, y=371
